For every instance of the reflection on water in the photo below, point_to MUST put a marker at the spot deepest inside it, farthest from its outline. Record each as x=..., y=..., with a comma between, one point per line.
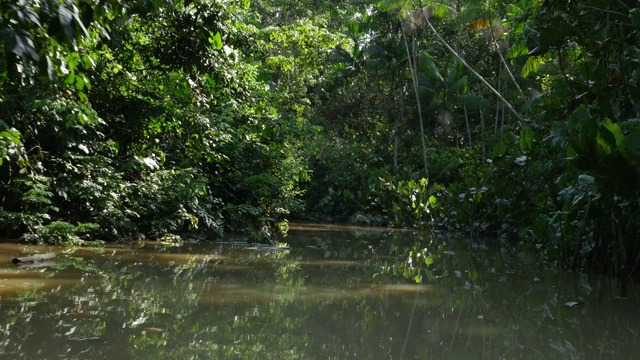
x=329, y=297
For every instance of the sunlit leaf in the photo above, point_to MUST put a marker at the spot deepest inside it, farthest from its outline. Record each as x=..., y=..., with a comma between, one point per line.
x=429, y=260
x=532, y=65
x=479, y=24
x=516, y=50
x=216, y=41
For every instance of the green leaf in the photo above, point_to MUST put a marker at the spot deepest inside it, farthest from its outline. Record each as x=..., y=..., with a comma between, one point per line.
x=88, y=61
x=389, y=5
x=631, y=144
x=459, y=86
x=516, y=50
x=500, y=149
x=79, y=83
x=429, y=260
x=609, y=136
x=354, y=27
x=630, y=149
x=526, y=139
x=634, y=15
x=532, y=65
x=71, y=79
x=216, y=41
x=615, y=130
x=431, y=69
x=472, y=101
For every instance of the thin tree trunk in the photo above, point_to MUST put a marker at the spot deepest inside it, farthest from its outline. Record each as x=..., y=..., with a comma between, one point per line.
x=495, y=127
x=395, y=148
x=484, y=149
x=466, y=119
x=503, y=116
x=396, y=130
x=414, y=77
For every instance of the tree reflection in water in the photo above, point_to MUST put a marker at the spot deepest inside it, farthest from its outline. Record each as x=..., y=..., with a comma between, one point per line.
x=338, y=293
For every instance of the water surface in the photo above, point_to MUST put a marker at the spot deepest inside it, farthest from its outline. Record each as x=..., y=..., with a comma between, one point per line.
x=338, y=293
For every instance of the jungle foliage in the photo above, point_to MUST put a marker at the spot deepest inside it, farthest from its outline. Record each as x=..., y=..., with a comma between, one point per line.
x=128, y=119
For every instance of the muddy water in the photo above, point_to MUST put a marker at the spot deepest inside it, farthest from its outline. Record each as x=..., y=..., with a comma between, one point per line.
x=338, y=293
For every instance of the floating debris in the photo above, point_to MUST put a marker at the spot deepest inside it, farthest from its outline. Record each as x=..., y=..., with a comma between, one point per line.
x=34, y=258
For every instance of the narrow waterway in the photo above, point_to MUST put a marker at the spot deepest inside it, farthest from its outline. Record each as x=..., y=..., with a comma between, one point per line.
x=336, y=293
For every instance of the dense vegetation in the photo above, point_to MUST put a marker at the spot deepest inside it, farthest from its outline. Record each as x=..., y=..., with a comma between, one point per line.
x=164, y=119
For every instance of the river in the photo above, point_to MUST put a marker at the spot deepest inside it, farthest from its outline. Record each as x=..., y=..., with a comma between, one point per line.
x=336, y=293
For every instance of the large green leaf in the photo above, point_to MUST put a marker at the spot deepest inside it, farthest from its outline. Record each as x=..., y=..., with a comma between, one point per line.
x=460, y=86
x=393, y=5
x=472, y=101
x=630, y=149
x=631, y=144
x=609, y=136
x=532, y=65
x=526, y=139
x=429, y=67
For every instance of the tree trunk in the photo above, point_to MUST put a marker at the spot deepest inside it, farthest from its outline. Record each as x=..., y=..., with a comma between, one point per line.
x=495, y=127
x=466, y=119
x=484, y=147
x=414, y=77
x=396, y=126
